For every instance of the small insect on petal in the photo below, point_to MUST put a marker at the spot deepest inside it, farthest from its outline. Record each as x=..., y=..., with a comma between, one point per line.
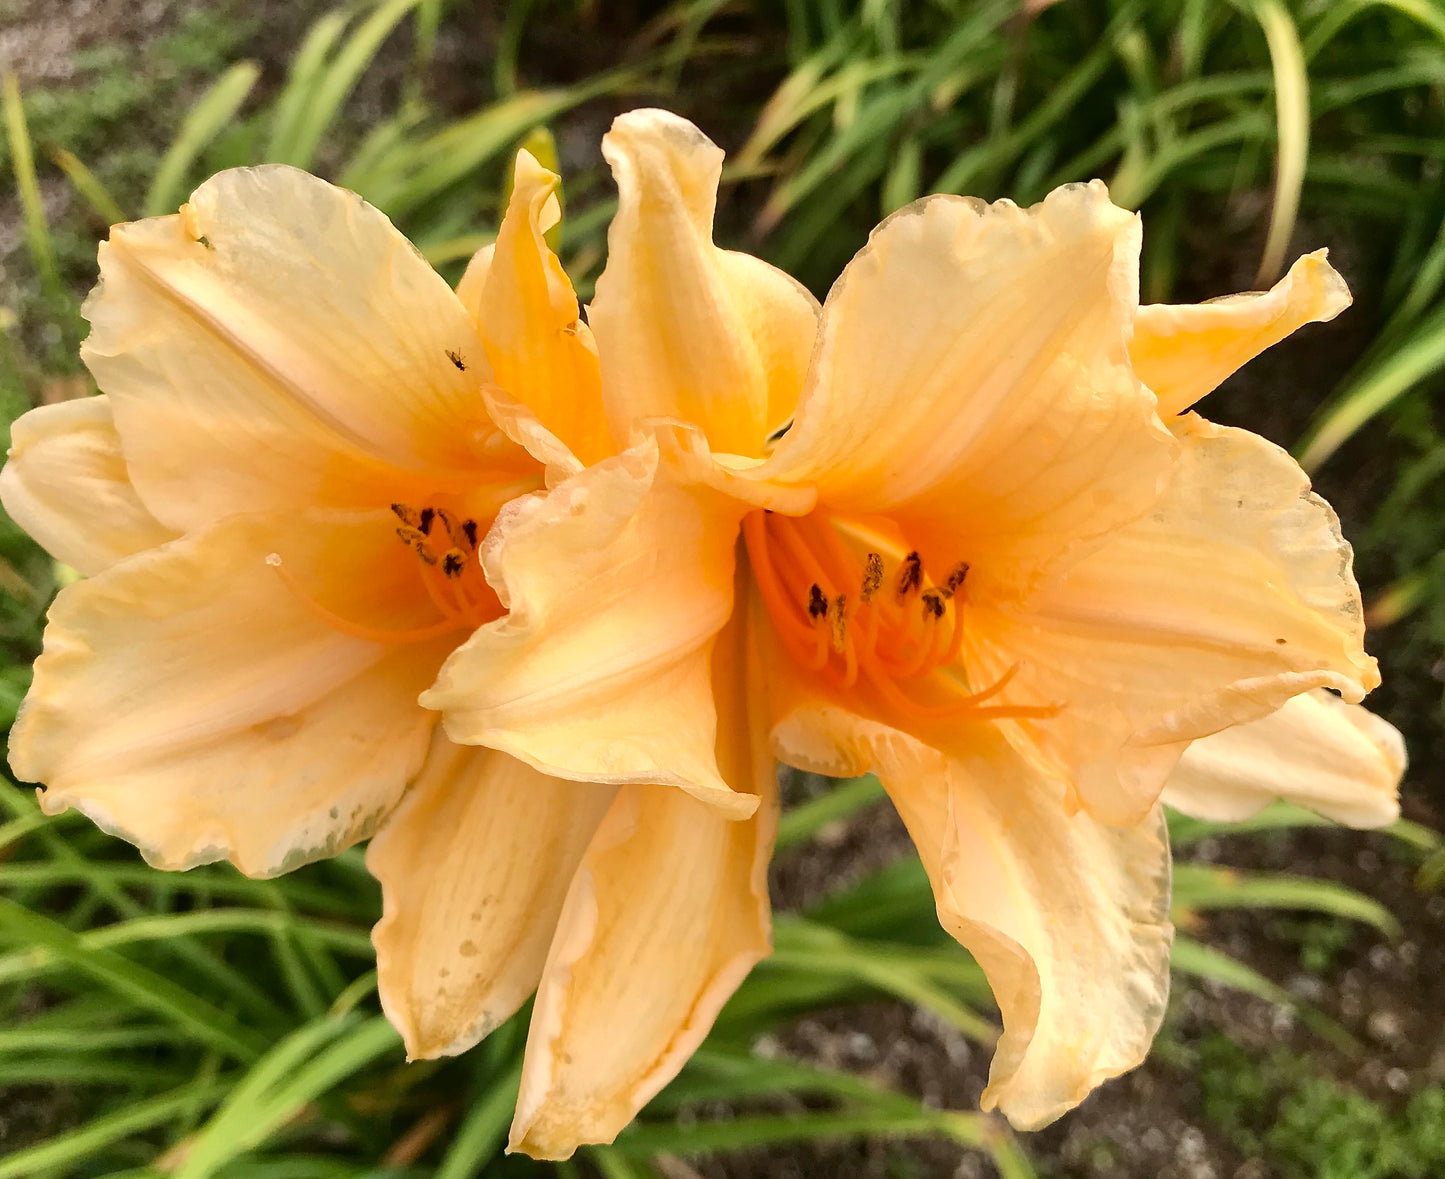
x=456, y=359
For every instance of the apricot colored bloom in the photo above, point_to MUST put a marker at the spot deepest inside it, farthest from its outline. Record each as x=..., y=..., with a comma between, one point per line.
x=945, y=522
x=277, y=504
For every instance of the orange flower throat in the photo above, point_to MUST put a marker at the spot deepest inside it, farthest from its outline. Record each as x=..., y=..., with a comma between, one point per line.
x=848, y=618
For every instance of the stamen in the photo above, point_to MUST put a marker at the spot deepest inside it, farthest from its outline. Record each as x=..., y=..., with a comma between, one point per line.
x=817, y=602
x=910, y=574
x=932, y=603
x=454, y=563
x=955, y=579
x=872, y=577
x=838, y=622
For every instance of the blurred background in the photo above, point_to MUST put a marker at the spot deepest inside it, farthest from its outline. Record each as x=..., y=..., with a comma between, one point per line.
x=206, y=1025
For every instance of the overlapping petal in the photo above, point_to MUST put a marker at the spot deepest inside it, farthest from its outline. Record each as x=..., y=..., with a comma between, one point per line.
x=474, y=865
x=1182, y=352
x=190, y=702
x=278, y=344
x=687, y=330
x=1067, y=917
x=972, y=382
x=617, y=580
x=67, y=485
x=541, y=354
x=1231, y=596
x=1316, y=751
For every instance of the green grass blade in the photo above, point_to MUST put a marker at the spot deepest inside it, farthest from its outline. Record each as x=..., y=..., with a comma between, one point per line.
x=96, y=195
x=484, y=1129
x=306, y=67
x=22, y=160
x=841, y=802
x=1198, y=887
x=212, y=114
x=1292, y=113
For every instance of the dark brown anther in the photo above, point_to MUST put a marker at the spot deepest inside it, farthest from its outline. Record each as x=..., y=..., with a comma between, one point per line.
x=838, y=623
x=872, y=577
x=955, y=579
x=817, y=602
x=454, y=562
x=407, y=514
x=932, y=603
x=910, y=574
x=427, y=516
x=470, y=528
x=455, y=531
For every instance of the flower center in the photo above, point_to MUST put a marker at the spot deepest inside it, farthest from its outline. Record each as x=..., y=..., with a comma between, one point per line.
x=445, y=546
x=842, y=612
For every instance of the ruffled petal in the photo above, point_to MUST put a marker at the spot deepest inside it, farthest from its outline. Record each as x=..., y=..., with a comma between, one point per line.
x=67, y=485
x=666, y=917
x=1184, y=352
x=687, y=330
x=972, y=381
x=474, y=865
x=617, y=581
x=279, y=343
x=1068, y=918
x=1338, y=759
x=1232, y=595
x=541, y=354
x=190, y=702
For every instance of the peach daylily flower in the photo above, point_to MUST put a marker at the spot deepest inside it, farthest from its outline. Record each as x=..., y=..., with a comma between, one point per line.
x=943, y=517
x=277, y=504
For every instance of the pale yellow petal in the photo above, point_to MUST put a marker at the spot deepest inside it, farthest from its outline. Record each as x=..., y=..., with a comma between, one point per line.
x=474, y=865
x=617, y=580
x=1232, y=595
x=1183, y=352
x=1067, y=917
x=67, y=485
x=687, y=330
x=541, y=353
x=279, y=343
x=190, y=702
x=972, y=381
x=1317, y=751
x=667, y=916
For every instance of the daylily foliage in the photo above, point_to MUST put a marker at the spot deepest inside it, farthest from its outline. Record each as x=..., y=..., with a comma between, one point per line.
x=956, y=527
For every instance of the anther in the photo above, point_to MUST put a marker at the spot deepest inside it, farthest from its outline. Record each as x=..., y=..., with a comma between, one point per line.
x=454, y=562
x=910, y=574
x=872, y=577
x=458, y=534
x=932, y=603
x=427, y=516
x=416, y=541
x=955, y=579
x=407, y=514
x=470, y=528
x=838, y=623
x=817, y=602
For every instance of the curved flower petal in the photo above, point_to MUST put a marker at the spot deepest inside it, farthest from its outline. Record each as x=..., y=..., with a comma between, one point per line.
x=1184, y=352
x=972, y=381
x=1231, y=596
x=1338, y=759
x=277, y=343
x=1068, y=918
x=666, y=917
x=190, y=702
x=617, y=581
x=687, y=330
x=526, y=313
x=474, y=865
x=66, y=484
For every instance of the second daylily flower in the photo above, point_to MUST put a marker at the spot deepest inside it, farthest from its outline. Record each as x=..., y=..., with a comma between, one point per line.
x=945, y=524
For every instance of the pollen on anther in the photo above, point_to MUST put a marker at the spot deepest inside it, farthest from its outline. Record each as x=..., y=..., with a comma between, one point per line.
x=910, y=574
x=470, y=528
x=838, y=622
x=817, y=602
x=454, y=562
x=932, y=603
x=955, y=580
x=872, y=577
x=408, y=515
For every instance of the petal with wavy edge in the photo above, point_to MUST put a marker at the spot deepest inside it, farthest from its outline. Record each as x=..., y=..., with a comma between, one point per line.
x=687, y=330
x=278, y=343
x=1068, y=918
x=191, y=703
x=666, y=917
x=1232, y=595
x=66, y=484
x=540, y=352
x=972, y=381
x=1338, y=759
x=1184, y=352
x=617, y=580
x=474, y=865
